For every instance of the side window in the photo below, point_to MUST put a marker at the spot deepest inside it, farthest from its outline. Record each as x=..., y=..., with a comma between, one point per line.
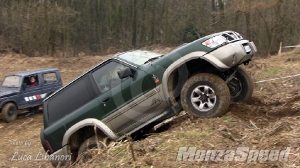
x=31, y=81
x=50, y=77
x=71, y=98
x=107, y=77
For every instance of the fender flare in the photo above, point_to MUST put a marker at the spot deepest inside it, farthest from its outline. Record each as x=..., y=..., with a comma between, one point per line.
x=87, y=122
x=9, y=101
x=194, y=55
x=215, y=62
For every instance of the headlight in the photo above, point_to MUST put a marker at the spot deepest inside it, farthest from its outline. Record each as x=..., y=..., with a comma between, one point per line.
x=215, y=41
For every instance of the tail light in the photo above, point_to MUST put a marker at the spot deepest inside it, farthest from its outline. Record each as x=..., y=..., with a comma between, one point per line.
x=49, y=149
x=45, y=143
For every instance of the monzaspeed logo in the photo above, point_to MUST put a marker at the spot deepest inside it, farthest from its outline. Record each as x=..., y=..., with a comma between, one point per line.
x=241, y=154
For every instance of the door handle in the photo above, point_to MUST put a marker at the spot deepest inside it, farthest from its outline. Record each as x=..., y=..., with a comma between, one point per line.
x=105, y=99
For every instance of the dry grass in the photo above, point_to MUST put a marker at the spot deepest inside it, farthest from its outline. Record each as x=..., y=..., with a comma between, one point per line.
x=269, y=120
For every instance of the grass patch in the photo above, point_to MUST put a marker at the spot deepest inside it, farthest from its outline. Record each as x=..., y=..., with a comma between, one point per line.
x=226, y=118
x=193, y=134
x=296, y=51
x=273, y=71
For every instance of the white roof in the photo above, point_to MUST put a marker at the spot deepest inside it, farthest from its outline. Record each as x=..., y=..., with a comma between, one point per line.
x=138, y=57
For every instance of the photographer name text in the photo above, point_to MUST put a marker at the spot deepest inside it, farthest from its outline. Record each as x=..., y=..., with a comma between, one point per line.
x=40, y=156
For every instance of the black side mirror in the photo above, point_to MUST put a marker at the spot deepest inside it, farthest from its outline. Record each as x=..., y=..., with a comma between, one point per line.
x=124, y=73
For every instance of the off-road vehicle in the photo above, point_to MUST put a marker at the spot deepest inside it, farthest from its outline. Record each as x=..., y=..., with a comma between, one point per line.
x=17, y=93
x=136, y=88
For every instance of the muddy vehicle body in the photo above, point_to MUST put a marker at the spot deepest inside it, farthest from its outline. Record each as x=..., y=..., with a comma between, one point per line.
x=135, y=89
x=17, y=92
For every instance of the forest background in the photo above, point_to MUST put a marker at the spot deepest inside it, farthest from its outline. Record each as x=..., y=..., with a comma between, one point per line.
x=91, y=27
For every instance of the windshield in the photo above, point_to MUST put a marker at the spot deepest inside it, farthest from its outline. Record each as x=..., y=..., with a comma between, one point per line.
x=139, y=57
x=12, y=81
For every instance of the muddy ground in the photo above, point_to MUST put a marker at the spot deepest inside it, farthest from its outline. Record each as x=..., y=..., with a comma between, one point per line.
x=269, y=120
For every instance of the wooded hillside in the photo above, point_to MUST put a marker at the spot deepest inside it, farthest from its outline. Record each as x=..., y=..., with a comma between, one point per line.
x=70, y=27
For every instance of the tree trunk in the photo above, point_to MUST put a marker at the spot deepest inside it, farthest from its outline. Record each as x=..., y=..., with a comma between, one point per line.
x=247, y=18
x=133, y=23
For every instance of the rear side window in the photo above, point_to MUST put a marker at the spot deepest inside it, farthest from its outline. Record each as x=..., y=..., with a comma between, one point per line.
x=70, y=99
x=50, y=77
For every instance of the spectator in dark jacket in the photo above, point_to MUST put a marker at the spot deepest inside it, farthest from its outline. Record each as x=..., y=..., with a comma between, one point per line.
x=33, y=81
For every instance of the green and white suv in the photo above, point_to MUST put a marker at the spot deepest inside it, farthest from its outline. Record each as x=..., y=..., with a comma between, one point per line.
x=134, y=89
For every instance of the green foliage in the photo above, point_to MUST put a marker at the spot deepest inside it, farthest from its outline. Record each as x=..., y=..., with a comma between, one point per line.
x=273, y=71
x=190, y=32
x=226, y=118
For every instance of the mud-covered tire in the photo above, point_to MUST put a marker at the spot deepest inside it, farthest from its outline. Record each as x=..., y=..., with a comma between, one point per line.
x=205, y=95
x=9, y=112
x=89, y=143
x=241, y=86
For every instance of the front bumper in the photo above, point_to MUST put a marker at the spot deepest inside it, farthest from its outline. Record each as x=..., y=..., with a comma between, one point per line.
x=232, y=54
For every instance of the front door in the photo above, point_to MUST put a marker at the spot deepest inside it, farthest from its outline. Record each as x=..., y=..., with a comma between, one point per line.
x=125, y=101
x=31, y=92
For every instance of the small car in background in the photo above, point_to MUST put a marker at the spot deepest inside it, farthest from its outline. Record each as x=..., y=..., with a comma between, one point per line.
x=17, y=93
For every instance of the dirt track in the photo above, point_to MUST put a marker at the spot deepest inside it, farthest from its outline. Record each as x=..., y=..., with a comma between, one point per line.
x=269, y=120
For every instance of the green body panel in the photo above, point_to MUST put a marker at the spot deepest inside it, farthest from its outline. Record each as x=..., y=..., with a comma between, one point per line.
x=55, y=132
x=158, y=67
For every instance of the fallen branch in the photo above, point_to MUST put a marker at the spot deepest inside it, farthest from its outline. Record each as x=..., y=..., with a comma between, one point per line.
x=252, y=123
x=130, y=146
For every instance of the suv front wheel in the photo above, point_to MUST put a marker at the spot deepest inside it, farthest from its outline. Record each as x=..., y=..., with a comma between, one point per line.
x=9, y=112
x=205, y=95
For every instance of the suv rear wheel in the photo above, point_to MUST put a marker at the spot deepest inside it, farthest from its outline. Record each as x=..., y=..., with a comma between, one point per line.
x=89, y=143
x=241, y=86
x=205, y=95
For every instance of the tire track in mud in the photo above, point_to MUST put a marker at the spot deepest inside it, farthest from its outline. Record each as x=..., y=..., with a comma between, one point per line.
x=269, y=104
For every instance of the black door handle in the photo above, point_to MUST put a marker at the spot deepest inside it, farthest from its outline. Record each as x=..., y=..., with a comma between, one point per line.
x=105, y=99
